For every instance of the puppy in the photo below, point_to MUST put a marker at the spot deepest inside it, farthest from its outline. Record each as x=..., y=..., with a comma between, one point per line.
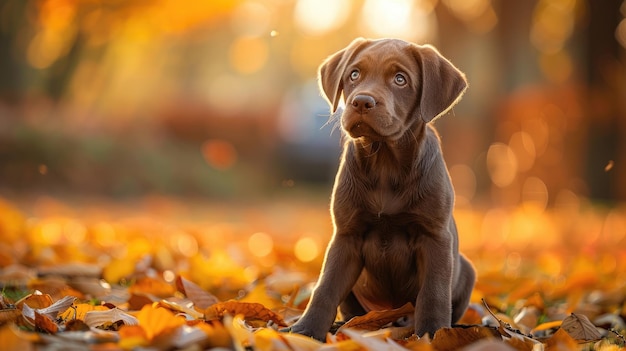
x=395, y=240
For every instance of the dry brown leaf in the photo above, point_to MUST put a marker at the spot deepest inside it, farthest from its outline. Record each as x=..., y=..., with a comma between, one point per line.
x=201, y=298
x=374, y=320
x=522, y=344
x=579, y=327
x=250, y=310
x=561, y=340
x=76, y=325
x=138, y=301
x=457, y=338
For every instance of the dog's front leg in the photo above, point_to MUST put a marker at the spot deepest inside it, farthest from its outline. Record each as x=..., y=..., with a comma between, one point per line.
x=433, y=306
x=341, y=269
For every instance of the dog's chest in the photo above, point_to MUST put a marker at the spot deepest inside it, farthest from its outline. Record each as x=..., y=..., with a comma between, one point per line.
x=386, y=195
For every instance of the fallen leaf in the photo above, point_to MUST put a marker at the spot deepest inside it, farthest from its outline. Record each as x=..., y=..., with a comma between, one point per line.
x=176, y=307
x=546, y=326
x=96, y=318
x=138, y=301
x=152, y=286
x=456, y=338
x=561, y=340
x=35, y=301
x=76, y=325
x=51, y=311
x=376, y=319
x=9, y=315
x=119, y=269
x=217, y=334
x=373, y=343
x=132, y=336
x=250, y=310
x=78, y=311
x=579, y=327
x=44, y=323
x=157, y=320
x=201, y=299
x=266, y=339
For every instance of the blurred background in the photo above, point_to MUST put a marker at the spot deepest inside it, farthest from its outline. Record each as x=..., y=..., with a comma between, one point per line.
x=219, y=100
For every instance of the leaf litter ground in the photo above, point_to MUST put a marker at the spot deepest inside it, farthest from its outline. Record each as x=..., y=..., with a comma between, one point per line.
x=167, y=274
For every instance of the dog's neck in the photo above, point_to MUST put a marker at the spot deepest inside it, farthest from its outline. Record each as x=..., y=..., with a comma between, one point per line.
x=389, y=154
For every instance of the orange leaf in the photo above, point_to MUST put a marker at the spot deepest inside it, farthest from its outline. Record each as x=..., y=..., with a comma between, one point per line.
x=157, y=320
x=561, y=340
x=132, y=336
x=44, y=323
x=35, y=301
x=457, y=338
x=152, y=286
x=374, y=320
x=250, y=310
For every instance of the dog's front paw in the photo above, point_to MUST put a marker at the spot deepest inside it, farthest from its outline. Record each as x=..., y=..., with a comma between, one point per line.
x=303, y=329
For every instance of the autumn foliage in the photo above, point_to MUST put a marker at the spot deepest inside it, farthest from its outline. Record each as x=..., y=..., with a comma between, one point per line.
x=82, y=281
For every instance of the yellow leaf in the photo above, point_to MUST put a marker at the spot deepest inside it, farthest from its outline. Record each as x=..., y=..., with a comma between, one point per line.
x=266, y=339
x=118, y=269
x=79, y=311
x=157, y=320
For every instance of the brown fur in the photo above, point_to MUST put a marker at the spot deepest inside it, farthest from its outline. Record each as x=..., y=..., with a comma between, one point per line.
x=395, y=240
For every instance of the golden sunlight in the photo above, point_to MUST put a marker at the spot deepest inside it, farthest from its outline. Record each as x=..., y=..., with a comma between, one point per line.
x=318, y=17
x=398, y=18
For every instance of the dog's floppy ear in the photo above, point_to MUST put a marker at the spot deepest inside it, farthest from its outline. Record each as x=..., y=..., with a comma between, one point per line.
x=442, y=83
x=331, y=72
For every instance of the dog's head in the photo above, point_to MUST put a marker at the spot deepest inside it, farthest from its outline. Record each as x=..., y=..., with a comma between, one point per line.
x=388, y=86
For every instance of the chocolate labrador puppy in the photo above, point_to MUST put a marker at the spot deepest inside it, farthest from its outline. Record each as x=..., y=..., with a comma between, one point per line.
x=395, y=240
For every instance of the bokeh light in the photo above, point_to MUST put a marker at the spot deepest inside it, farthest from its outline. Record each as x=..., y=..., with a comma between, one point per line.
x=501, y=164
x=306, y=249
x=260, y=244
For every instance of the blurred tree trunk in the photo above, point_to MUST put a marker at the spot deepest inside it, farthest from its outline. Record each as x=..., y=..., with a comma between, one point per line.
x=12, y=17
x=605, y=81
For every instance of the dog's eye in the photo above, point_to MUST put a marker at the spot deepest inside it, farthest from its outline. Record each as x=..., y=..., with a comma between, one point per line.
x=354, y=75
x=400, y=79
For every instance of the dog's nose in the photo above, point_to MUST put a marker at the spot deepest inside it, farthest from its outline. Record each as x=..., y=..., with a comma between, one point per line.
x=362, y=103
